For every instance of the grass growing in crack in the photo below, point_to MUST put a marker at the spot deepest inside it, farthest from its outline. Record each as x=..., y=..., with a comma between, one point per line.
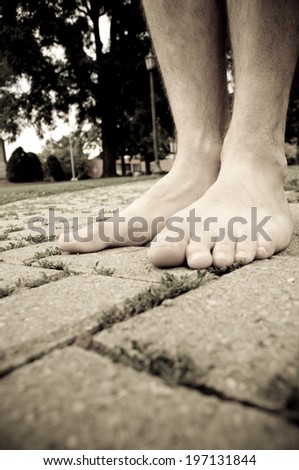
x=222, y=271
x=178, y=370
x=40, y=238
x=4, y=235
x=41, y=255
x=14, y=228
x=6, y=291
x=9, y=229
x=48, y=252
x=13, y=245
x=10, y=214
x=44, y=279
x=169, y=287
x=102, y=270
x=173, y=370
x=50, y=264
x=28, y=262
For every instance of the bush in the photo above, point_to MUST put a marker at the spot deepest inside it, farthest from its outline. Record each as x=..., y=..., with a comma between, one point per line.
x=55, y=169
x=36, y=166
x=23, y=167
x=82, y=170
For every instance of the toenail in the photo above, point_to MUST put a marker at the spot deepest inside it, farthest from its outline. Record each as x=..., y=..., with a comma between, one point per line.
x=222, y=255
x=195, y=257
x=261, y=250
x=159, y=245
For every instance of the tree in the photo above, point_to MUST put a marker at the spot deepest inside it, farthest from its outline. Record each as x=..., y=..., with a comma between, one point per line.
x=292, y=125
x=61, y=149
x=107, y=88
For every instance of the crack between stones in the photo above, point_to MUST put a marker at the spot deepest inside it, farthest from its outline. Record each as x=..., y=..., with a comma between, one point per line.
x=202, y=389
x=168, y=287
x=36, y=357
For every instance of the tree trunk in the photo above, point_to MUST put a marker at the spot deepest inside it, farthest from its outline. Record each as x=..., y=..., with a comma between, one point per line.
x=108, y=118
x=104, y=99
x=108, y=138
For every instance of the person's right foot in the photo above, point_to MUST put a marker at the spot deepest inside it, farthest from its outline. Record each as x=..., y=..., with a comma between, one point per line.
x=187, y=181
x=243, y=216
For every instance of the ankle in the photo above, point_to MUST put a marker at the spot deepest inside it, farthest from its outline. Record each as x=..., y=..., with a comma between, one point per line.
x=198, y=152
x=254, y=154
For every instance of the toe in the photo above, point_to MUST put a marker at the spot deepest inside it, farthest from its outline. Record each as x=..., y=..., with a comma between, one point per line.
x=165, y=254
x=199, y=254
x=168, y=248
x=277, y=239
x=223, y=253
x=265, y=248
x=84, y=240
x=245, y=251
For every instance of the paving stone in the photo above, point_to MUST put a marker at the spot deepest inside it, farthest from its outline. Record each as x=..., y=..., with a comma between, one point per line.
x=75, y=399
x=88, y=199
x=22, y=276
x=10, y=225
x=6, y=245
x=237, y=338
x=49, y=224
x=238, y=335
x=34, y=321
x=20, y=255
x=293, y=248
x=292, y=196
x=127, y=262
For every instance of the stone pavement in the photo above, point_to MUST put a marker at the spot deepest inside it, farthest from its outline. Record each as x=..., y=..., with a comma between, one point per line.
x=104, y=351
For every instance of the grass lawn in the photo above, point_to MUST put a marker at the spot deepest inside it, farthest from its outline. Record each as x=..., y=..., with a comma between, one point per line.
x=292, y=182
x=12, y=192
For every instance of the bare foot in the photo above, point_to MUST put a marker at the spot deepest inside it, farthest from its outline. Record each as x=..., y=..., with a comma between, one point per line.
x=243, y=216
x=188, y=180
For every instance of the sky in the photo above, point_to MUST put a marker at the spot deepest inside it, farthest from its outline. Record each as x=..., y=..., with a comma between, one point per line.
x=28, y=139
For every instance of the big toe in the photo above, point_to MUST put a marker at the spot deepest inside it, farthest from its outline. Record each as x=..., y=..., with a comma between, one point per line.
x=164, y=253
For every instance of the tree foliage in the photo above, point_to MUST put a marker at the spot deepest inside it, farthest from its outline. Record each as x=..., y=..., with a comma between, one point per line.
x=61, y=150
x=292, y=127
x=110, y=89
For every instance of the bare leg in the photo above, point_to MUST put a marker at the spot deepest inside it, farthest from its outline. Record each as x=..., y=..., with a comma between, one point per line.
x=189, y=38
x=265, y=41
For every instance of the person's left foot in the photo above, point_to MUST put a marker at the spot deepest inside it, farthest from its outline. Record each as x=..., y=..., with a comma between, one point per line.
x=243, y=216
x=191, y=175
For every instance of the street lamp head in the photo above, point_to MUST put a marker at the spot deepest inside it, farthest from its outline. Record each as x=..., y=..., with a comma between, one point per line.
x=150, y=61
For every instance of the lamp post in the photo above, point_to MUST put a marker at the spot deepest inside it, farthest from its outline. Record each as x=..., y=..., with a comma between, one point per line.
x=72, y=159
x=3, y=160
x=70, y=120
x=150, y=62
x=172, y=147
